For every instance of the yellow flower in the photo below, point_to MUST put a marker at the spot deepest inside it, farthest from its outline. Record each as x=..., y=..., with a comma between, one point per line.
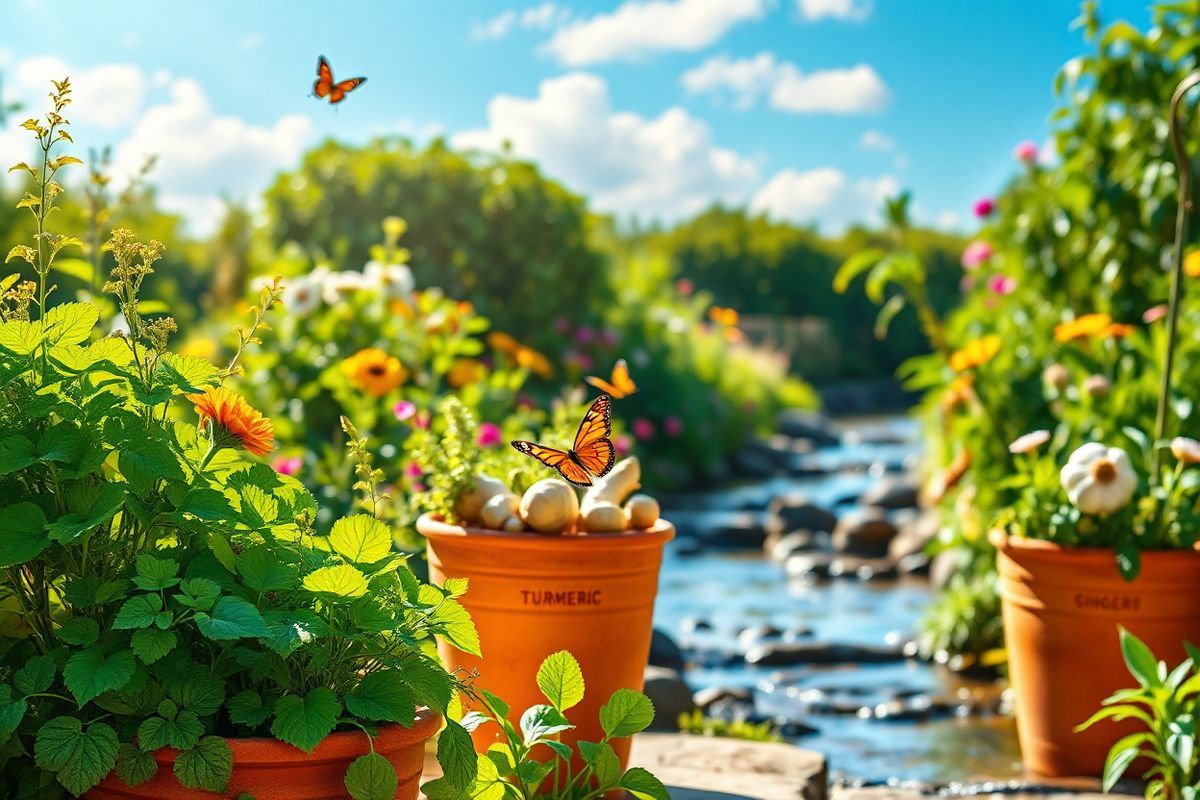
x=534, y=361
x=374, y=371
x=1091, y=325
x=501, y=341
x=1191, y=263
x=464, y=371
x=723, y=316
x=233, y=419
x=975, y=353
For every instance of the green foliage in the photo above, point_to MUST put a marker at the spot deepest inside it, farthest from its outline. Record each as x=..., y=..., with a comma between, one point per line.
x=1165, y=702
x=166, y=589
x=515, y=764
x=697, y=724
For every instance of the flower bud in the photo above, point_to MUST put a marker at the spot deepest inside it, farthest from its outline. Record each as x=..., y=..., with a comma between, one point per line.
x=1096, y=386
x=1057, y=376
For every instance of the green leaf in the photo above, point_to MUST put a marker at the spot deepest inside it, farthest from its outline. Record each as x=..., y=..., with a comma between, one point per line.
x=627, y=712
x=259, y=508
x=221, y=549
x=1140, y=661
x=361, y=539
x=198, y=593
x=135, y=766
x=138, y=611
x=542, y=721
x=22, y=533
x=604, y=762
x=644, y=786
x=12, y=711
x=36, y=675
x=79, y=631
x=152, y=644
x=456, y=626
x=16, y=453
x=371, y=777
x=155, y=574
x=305, y=721
x=208, y=765
x=384, y=697
x=89, y=673
x=430, y=684
x=561, y=680
x=456, y=754
x=1120, y=756
x=262, y=570
x=80, y=758
x=181, y=732
x=247, y=708
x=232, y=618
x=854, y=266
x=340, y=581
x=20, y=337
x=186, y=374
x=70, y=323
x=497, y=705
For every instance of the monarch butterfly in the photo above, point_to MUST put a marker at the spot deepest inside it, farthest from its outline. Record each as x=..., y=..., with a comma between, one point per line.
x=325, y=87
x=591, y=456
x=621, y=386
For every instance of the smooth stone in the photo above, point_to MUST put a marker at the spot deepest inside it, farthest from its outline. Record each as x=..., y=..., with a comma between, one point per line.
x=777, y=654
x=670, y=695
x=798, y=512
x=664, y=652
x=802, y=541
x=893, y=491
x=863, y=569
x=810, y=425
x=710, y=695
x=695, y=624
x=914, y=536
x=866, y=533
x=752, y=462
x=811, y=566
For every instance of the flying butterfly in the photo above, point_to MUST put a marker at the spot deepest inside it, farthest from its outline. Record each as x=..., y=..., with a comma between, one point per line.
x=592, y=454
x=620, y=385
x=325, y=87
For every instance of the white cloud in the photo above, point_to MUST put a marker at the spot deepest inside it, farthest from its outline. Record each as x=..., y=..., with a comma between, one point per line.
x=877, y=141
x=542, y=17
x=823, y=195
x=847, y=10
x=854, y=90
x=638, y=28
x=664, y=167
x=110, y=95
x=202, y=154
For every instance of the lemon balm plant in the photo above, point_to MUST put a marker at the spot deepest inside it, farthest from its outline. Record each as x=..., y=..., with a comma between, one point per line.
x=169, y=604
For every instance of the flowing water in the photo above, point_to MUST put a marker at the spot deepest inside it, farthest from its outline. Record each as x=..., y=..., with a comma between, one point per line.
x=901, y=720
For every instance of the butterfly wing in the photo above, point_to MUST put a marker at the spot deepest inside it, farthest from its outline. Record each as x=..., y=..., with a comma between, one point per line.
x=593, y=448
x=324, y=83
x=604, y=386
x=556, y=459
x=621, y=386
x=340, y=90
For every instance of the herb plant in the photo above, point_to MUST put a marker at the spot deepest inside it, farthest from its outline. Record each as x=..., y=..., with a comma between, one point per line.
x=532, y=764
x=158, y=586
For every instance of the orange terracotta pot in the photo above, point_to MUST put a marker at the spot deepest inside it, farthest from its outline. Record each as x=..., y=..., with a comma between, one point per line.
x=268, y=769
x=532, y=595
x=1062, y=608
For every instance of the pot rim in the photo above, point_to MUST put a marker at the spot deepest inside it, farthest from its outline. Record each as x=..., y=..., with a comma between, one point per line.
x=1006, y=542
x=433, y=528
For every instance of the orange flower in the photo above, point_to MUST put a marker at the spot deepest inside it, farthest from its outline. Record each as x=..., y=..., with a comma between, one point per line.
x=534, y=361
x=401, y=308
x=1091, y=325
x=501, y=341
x=374, y=371
x=975, y=353
x=1119, y=330
x=723, y=316
x=1191, y=263
x=234, y=421
x=464, y=371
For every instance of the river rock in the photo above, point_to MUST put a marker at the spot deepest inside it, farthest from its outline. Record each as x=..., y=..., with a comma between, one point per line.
x=809, y=566
x=709, y=696
x=863, y=569
x=803, y=541
x=664, y=652
x=752, y=462
x=893, y=491
x=914, y=536
x=670, y=695
x=816, y=428
x=723, y=529
x=695, y=625
x=779, y=654
x=866, y=534
x=796, y=512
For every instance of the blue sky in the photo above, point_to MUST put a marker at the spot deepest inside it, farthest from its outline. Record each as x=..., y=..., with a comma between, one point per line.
x=804, y=109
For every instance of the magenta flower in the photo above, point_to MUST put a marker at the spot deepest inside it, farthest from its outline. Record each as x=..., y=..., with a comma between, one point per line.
x=288, y=465
x=421, y=421
x=685, y=287
x=404, y=410
x=1154, y=313
x=413, y=470
x=1002, y=284
x=581, y=361
x=489, y=435
x=622, y=445
x=975, y=254
x=1026, y=152
x=584, y=335
x=672, y=426
x=984, y=207
x=609, y=337
x=643, y=428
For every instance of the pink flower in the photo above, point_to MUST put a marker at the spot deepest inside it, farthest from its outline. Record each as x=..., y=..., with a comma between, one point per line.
x=562, y=326
x=966, y=284
x=643, y=428
x=489, y=435
x=622, y=445
x=984, y=207
x=404, y=410
x=672, y=426
x=685, y=287
x=418, y=487
x=975, y=254
x=1154, y=314
x=413, y=470
x=288, y=465
x=421, y=421
x=584, y=335
x=1026, y=152
x=1002, y=284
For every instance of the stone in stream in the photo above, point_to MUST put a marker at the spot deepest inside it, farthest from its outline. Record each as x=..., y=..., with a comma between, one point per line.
x=866, y=534
x=709, y=696
x=695, y=624
x=664, y=652
x=915, y=535
x=802, y=541
x=722, y=529
x=752, y=462
x=670, y=695
x=816, y=428
x=893, y=491
x=809, y=566
x=778, y=654
x=797, y=512
x=863, y=569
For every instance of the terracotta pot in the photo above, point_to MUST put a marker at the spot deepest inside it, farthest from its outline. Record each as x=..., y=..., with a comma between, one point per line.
x=532, y=595
x=1062, y=608
x=271, y=770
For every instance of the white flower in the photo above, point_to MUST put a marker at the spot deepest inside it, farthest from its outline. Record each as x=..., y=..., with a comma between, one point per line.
x=1186, y=450
x=340, y=285
x=391, y=280
x=1098, y=479
x=301, y=296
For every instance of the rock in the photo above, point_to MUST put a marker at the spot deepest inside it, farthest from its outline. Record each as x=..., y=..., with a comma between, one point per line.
x=724, y=529
x=893, y=491
x=916, y=564
x=915, y=535
x=710, y=695
x=810, y=566
x=864, y=569
x=753, y=634
x=777, y=654
x=802, y=541
x=670, y=695
x=687, y=548
x=664, y=652
x=797, y=512
x=752, y=462
x=866, y=533
x=794, y=729
x=816, y=428
x=695, y=624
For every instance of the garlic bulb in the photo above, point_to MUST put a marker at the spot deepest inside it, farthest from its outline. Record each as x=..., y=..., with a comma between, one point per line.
x=643, y=511
x=497, y=509
x=549, y=506
x=605, y=518
x=470, y=503
x=1098, y=479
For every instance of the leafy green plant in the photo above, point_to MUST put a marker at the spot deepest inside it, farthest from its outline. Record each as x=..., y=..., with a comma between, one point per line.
x=159, y=587
x=697, y=724
x=518, y=764
x=1165, y=701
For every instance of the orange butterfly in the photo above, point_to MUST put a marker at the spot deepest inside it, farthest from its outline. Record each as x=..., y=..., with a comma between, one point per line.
x=621, y=386
x=591, y=456
x=325, y=87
